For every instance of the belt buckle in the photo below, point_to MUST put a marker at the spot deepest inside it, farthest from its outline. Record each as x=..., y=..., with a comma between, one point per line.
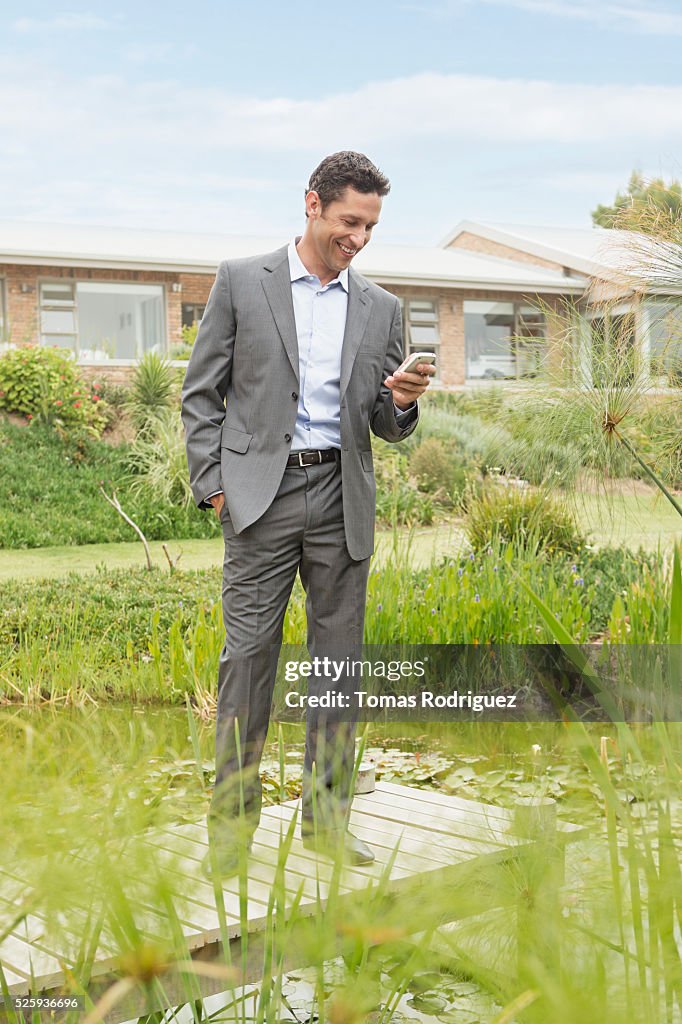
x=308, y=458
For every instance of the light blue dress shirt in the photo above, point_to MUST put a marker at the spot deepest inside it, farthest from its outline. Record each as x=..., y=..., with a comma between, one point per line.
x=320, y=315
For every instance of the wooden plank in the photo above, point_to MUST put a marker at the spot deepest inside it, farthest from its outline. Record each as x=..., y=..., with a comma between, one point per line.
x=385, y=834
x=16, y=983
x=306, y=870
x=384, y=840
x=266, y=846
x=449, y=800
x=441, y=839
x=19, y=955
x=151, y=915
x=36, y=923
x=453, y=824
x=261, y=865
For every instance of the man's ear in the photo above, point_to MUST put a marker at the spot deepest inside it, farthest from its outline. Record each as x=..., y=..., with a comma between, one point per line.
x=313, y=204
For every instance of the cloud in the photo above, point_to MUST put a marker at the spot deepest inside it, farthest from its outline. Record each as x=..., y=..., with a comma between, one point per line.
x=199, y=146
x=109, y=111
x=66, y=22
x=629, y=16
x=626, y=16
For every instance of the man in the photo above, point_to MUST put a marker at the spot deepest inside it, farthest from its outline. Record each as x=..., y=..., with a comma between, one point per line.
x=293, y=364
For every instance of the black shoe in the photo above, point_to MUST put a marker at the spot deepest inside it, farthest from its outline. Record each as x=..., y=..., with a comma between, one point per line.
x=228, y=861
x=329, y=843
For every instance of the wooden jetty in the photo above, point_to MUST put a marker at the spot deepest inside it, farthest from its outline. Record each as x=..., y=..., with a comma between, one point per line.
x=425, y=843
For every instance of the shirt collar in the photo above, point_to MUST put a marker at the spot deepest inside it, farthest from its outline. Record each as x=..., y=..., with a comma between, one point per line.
x=298, y=270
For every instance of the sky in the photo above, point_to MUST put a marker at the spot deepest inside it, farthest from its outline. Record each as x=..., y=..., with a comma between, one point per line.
x=209, y=117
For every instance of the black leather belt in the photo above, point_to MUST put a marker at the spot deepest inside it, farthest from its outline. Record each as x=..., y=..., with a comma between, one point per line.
x=313, y=457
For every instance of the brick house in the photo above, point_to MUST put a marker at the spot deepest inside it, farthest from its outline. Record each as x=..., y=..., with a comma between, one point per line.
x=482, y=299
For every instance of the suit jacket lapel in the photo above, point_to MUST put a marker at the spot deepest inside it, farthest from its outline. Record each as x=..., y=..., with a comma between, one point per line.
x=357, y=315
x=277, y=287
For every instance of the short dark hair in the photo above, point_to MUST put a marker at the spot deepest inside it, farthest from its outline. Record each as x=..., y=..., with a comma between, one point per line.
x=343, y=170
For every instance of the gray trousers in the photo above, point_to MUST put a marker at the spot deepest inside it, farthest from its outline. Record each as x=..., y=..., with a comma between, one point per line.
x=302, y=531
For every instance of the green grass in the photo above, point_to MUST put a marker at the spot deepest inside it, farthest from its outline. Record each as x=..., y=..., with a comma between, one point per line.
x=427, y=543
x=636, y=520
x=49, y=494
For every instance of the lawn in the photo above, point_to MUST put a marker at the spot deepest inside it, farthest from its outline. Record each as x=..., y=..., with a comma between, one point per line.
x=198, y=554
x=635, y=519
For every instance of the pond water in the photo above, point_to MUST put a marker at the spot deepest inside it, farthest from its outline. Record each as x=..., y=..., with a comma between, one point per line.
x=75, y=778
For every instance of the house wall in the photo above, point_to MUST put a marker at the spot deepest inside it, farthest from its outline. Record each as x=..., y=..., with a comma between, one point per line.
x=23, y=312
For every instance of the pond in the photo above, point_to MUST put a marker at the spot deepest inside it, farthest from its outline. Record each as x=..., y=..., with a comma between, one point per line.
x=83, y=778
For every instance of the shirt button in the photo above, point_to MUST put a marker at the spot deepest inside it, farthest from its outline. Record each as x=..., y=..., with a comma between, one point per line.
x=294, y=395
x=287, y=437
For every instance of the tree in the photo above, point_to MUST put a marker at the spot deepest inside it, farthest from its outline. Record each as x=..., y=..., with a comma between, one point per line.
x=641, y=195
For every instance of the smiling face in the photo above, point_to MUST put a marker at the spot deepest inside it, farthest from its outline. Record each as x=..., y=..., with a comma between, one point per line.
x=336, y=232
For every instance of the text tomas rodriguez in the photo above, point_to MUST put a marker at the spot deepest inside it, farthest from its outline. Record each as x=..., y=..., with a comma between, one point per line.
x=389, y=701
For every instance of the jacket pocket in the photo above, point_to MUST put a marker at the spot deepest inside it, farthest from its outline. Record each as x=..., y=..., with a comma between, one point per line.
x=235, y=440
x=367, y=461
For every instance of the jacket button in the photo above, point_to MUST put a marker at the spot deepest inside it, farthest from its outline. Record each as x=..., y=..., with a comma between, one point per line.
x=294, y=395
x=287, y=437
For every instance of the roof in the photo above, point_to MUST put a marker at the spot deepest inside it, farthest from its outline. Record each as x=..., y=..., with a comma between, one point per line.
x=598, y=252
x=76, y=245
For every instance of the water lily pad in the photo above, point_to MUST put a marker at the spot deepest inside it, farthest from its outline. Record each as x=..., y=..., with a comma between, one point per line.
x=431, y=1003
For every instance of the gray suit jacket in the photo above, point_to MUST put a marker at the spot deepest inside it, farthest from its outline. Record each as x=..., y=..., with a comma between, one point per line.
x=240, y=394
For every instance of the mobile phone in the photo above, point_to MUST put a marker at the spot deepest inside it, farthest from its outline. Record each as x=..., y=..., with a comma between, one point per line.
x=410, y=364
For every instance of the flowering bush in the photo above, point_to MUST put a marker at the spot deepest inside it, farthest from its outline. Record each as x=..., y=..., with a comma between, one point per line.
x=43, y=384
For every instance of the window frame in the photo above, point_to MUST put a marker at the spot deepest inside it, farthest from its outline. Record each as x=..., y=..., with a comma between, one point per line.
x=55, y=307
x=75, y=281
x=518, y=306
x=671, y=354
x=410, y=346
x=194, y=306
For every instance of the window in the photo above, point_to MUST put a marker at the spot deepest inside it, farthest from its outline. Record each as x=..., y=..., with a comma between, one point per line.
x=663, y=334
x=102, y=320
x=192, y=313
x=420, y=327
x=503, y=340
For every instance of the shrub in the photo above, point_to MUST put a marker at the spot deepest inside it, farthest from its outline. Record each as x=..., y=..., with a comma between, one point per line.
x=152, y=389
x=611, y=572
x=44, y=385
x=183, y=349
x=157, y=456
x=438, y=470
x=398, y=500
x=527, y=518
x=657, y=437
x=536, y=461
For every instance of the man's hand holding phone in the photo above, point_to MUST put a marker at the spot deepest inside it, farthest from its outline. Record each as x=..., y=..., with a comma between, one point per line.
x=411, y=379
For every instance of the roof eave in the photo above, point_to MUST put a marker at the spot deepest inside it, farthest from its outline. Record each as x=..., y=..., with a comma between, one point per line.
x=476, y=283
x=113, y=263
